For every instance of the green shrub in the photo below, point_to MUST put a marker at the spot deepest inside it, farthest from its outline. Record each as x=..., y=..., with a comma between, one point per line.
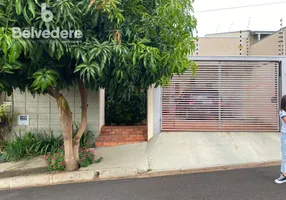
x=126, y=112
x=2, y=158
x=21, y=147
x=49, y=143
x=36, y=144
x=5, y=116
x=56, y=161
x=31, y=145
x=2, y=145
x=86, y=158
x=87, y=138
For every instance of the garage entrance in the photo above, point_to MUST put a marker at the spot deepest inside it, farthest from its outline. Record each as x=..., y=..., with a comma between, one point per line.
x=223, y=96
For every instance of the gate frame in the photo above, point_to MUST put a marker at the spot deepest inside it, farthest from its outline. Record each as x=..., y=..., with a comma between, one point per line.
x=154, y=105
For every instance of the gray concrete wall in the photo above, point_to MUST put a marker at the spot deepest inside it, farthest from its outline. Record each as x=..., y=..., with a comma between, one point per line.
x=43, y=111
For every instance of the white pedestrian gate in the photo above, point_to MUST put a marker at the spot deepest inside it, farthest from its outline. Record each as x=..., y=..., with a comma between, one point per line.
x=223, y=96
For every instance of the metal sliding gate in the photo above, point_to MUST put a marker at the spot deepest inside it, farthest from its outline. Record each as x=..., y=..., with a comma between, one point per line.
x=223, y=96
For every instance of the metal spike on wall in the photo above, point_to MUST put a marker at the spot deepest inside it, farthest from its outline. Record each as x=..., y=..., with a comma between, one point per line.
x=281, y=40
x=247, y=44
x=248, y=25
x=240, y=42
x=247, y=39
x=197, y=42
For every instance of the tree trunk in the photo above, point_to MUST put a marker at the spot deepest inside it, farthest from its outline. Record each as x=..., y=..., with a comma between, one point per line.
x=66, y=125
x=83, y=124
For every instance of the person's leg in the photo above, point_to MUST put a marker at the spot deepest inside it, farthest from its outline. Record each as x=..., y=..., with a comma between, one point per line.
x=282, y=178
x=283, y=151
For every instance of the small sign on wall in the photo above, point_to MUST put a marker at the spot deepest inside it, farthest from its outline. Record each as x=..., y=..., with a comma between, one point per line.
x=23, y=120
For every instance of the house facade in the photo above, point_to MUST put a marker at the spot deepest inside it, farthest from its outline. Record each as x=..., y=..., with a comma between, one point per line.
x=237, y=87
x=244, y=69
x=228, y=94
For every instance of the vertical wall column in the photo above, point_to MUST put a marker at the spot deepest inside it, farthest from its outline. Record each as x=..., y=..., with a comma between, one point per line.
x=101, y=108
x=154, y=111
x=150, y=108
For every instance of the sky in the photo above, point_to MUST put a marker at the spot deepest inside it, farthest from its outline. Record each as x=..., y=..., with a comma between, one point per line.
x=258, y=18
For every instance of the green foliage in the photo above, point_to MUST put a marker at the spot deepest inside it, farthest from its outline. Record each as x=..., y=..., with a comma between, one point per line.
x=31, y=145
x=2, y=146
x=56, y=161
x=126, y=112
x=48, y=143
x=20, y=148
x=44, y=78
x=5, y=117
x=2, y=158
x=126, y=44
x=88, y=138
x=86, y=158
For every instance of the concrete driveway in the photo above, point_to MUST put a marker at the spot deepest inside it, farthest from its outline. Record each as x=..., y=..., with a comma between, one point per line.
x=186, y=150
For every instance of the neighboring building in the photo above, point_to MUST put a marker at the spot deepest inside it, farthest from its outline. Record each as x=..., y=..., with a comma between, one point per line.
x=252, y=43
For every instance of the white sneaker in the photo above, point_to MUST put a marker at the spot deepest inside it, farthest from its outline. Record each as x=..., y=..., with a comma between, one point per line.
x=281, y=179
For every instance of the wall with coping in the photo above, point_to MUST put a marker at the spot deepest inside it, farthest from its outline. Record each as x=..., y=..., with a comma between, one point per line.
x=44, y=115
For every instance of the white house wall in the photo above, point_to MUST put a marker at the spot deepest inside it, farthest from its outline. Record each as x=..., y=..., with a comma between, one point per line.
x=157, y=99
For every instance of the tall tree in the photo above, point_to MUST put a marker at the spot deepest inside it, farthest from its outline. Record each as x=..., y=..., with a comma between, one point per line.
x=121, y=45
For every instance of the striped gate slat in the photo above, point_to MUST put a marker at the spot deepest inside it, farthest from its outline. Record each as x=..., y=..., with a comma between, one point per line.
x=223, y=96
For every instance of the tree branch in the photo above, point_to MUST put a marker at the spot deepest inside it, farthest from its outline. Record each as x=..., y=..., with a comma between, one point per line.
x=54, y=93
x=100, y=6
x=83, y=123
x=91, y=3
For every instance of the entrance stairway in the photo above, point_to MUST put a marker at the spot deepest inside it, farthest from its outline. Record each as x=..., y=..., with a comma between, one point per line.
x=121, y=135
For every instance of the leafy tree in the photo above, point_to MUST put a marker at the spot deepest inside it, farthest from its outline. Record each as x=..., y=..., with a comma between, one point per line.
x=125, y=46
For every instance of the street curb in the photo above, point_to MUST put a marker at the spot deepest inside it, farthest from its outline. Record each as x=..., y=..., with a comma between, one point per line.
x=109, y=174
x=105, y=174
x=162, y=173
x=209, y=169
x=47, y=179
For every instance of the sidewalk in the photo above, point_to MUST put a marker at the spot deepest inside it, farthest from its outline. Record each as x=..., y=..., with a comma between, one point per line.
x=26, y=167
x=166, y=153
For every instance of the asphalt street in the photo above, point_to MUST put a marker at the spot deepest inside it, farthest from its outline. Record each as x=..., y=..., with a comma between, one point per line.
x=244, y=184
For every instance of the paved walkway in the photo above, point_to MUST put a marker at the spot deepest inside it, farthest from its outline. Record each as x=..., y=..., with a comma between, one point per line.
x=185, y=151
x=176, y=151
x=25, y=167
